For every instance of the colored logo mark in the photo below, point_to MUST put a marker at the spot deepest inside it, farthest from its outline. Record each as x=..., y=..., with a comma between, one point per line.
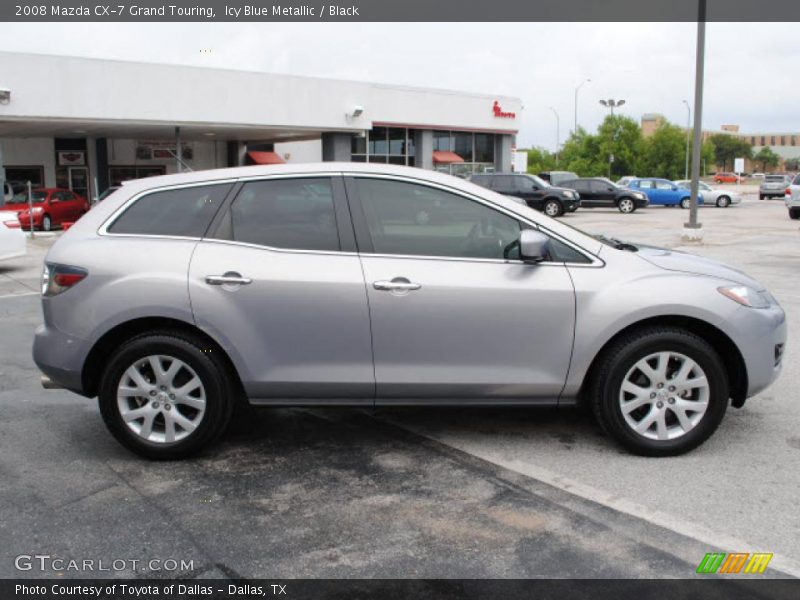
x=734, y=562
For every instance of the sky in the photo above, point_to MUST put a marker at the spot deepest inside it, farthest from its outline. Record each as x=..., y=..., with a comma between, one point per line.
x=751, y=68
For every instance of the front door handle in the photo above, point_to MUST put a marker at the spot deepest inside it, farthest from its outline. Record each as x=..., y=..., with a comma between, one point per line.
x=229, y=278
x=398, y=284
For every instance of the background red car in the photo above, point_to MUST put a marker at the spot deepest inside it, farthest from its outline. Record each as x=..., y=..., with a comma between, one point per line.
x=726, y=178
x=51, y=208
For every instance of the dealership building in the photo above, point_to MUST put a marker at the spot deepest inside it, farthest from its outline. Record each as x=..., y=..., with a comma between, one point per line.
x=87, y=124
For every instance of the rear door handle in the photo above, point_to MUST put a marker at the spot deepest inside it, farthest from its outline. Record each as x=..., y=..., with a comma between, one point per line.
x=229, y=278
x=398, y=284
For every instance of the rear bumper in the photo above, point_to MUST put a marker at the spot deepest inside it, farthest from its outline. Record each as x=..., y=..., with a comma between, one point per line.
x=60, y=357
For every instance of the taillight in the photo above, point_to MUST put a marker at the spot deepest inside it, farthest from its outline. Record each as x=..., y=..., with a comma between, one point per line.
x=59, y=278
x=788, y=191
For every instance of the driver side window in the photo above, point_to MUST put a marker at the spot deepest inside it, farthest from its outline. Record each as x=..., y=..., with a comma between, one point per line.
x=412, y=219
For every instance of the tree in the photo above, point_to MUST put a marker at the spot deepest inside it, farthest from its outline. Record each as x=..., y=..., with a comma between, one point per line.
x=792, y=164
x=664, y=153
x=767, y=158
x=540, y=160
x=728, y=147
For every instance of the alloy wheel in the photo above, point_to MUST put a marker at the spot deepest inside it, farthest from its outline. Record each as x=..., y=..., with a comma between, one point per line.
x=161, y=399
x=722, y=201
x=626, y=205
x=551, y=209
x=664, y=396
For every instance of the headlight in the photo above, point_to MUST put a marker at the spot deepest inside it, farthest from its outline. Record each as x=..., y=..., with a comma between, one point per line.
x=744, y=295
x=37, y=209
x=568, y=194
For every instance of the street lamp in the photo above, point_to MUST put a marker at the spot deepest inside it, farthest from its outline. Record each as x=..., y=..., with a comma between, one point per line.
x=612, y=104
x=558, y=136
x=688, y=136
x=575, y=131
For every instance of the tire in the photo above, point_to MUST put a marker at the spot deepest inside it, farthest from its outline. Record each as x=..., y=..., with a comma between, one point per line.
x=723, y=202
x=204, y=412
x=794, y=213
x=685, y=203
x=626, y=206
x=552, y=208
x=47, y=223
x=761, y=196
x=667, y=435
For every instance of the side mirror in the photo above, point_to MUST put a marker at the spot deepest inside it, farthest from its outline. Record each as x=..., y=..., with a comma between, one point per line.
x=533, y=245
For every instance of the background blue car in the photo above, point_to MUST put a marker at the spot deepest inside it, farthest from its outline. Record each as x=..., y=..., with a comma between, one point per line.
x=663, y=191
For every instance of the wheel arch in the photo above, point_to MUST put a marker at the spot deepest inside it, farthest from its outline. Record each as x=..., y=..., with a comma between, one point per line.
x=97, y=357
x=719, y=340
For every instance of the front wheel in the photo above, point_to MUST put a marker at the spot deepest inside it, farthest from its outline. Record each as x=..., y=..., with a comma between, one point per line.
x=553, y=208
x=723, y=201
x=165, y=396
x=626, y=206
x=660, y=391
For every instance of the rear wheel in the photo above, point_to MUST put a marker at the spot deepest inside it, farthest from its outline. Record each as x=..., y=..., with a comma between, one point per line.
x=626, y=206
x=761, y=196
x=685, y=203
x=553, y=208
x=165, y=396
x=794, y=213
x=723, y=201
x=660, y=391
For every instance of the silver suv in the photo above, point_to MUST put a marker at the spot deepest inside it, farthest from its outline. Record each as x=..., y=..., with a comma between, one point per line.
x=362, y=285
x=773, y=186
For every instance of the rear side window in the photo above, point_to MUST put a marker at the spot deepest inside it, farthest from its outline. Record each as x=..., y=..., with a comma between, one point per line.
x=286, y=213
x=185, y=212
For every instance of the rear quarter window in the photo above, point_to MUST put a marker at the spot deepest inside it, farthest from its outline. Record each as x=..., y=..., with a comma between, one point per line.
x=185, y=212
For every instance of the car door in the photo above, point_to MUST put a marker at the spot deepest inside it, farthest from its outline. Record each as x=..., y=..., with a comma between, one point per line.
x=603, y=192
x=280, y=284
x=584, y=190
x=646, y=186
x=56, y=207
x=452, y=319
x=71, y=206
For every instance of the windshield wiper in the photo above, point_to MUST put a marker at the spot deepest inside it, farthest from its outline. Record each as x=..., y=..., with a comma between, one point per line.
x=617, y=244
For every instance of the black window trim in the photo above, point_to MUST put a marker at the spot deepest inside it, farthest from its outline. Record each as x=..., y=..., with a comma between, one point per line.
x=364, y=239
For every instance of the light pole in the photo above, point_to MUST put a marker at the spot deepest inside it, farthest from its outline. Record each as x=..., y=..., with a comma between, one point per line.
x=558, y=136
x=688, y=135
x=577, y=89
x=693, y=230
x=611, y=104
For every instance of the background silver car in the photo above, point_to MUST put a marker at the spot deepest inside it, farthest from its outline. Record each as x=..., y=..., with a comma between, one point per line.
x=722, y=198
x=346, y=284
x=773, y=186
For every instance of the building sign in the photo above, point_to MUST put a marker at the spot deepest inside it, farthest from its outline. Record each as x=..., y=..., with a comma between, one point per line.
x=161, y=149
x=500, y=113
x=71, y=158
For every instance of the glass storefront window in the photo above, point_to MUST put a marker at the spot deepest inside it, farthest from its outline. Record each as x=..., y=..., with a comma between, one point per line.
x=484, y=148
x=462, y=145
x=441, y=141
x=378, y=141
x=397, y=142
x=358, y=144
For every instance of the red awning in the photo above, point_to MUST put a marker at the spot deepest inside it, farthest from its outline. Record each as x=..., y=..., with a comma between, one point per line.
x=446, y=158
x=265, y=158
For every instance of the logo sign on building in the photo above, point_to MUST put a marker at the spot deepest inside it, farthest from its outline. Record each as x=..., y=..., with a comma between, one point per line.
x=738, y=165
x=71, y=158
x=499, y=113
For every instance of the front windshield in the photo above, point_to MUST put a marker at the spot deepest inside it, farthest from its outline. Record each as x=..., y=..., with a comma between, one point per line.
x=38, y=196
x=539, y=181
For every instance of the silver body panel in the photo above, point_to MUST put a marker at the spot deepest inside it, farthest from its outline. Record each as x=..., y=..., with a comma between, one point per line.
x=312, y=328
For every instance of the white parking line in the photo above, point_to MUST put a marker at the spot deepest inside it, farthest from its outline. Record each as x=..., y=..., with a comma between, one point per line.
x=5, y=296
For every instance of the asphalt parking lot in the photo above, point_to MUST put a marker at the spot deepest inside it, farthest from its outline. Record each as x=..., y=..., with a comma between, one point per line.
x=411, y=492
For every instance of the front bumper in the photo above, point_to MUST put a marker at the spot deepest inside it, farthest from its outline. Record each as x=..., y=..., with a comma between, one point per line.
x=760, y=335
x=571, y=205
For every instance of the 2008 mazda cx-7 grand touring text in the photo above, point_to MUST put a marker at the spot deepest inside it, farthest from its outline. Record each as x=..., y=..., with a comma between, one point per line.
x=346, y=284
